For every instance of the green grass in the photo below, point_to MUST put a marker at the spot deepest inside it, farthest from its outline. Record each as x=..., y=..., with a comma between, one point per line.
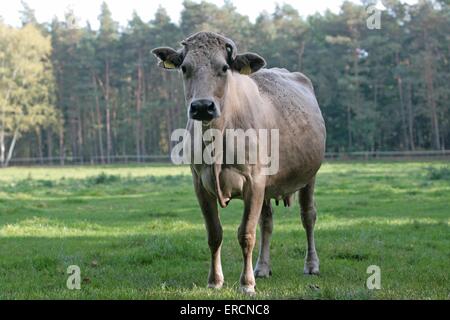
x=137, y=233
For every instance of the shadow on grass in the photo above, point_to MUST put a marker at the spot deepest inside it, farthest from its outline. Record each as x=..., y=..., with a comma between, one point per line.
x=154, y=265
x=143, y=237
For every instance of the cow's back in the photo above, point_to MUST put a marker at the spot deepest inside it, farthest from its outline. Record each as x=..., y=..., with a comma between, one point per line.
x=291, y=93
x=298, y=117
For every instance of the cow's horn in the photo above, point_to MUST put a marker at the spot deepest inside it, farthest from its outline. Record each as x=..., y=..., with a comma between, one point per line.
x=231, y=51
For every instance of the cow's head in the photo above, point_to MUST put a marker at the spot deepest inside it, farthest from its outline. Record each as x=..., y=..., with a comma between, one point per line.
x=207, y=60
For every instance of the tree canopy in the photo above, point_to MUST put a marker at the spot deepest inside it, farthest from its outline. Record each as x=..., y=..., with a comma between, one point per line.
x=70, y=91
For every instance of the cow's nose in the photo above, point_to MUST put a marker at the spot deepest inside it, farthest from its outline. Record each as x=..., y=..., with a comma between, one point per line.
x=203, y=109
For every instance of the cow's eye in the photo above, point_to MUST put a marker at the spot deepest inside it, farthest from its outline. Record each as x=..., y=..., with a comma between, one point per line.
x=225, y=68
x=184, y=69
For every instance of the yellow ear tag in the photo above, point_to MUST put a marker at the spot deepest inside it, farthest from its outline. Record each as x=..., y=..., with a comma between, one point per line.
x=168, y=65
x=246, y=70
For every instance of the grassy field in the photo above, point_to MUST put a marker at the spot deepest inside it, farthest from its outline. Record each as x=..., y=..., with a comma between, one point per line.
x=137, y=233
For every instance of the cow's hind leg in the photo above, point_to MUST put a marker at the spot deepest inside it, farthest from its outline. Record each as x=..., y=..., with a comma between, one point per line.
x=308, y=214
x=262, y=269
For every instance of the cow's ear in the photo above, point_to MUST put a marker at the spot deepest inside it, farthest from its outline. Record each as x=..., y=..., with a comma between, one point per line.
x=248, y=63
x=169, y=58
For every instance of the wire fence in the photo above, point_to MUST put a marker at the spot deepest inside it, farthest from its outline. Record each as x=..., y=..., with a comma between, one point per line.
x=390, y=155
x=330, y=156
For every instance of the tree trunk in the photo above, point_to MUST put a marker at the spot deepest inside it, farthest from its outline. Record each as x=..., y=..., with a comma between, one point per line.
x=108, y=115
x=114, y=126
x=62, y=148
x=80, y=139
x=39, y=140
x=138, y=96
x=2, y=131
x=11, y=147
x=92, y=138
x=402, y=104
x=402, y=112
x=375, y=106
x=144, y=125
x=349, y=128
x=99, y=120
x=49, y=145
x=2, y=147
x=410, y=115
x=431, y=98
x=357, y=104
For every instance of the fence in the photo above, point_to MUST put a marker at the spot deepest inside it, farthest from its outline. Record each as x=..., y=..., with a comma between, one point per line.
x=330, y=156
x=61, y=161
x=390, y=155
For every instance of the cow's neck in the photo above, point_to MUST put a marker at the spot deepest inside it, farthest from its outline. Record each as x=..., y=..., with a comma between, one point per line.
x=236, y=113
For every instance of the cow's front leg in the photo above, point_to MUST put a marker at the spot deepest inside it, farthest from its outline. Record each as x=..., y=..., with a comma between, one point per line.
x=208, y=205
x=253, y=201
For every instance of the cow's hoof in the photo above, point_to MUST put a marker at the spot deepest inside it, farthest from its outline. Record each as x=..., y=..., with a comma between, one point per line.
x=262, y=271
x=215, y=286
x=248, y=290
x=311, y=263
x=215, y=280
x=311, y=268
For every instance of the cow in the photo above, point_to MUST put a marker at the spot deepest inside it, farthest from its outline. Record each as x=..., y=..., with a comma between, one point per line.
x=225, y=89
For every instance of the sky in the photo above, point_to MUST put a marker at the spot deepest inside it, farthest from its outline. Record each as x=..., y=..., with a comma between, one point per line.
x=88, y=10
